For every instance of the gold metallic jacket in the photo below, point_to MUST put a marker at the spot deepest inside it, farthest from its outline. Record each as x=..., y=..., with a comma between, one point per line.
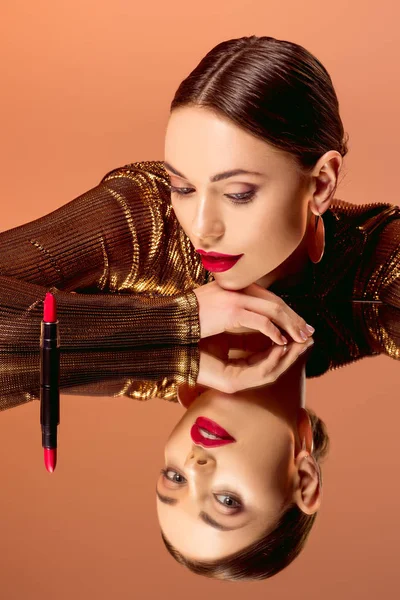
x=121, y=248
x=341, y=337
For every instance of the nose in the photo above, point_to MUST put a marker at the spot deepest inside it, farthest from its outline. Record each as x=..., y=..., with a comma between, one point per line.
x=207, y=224
x=199, y=460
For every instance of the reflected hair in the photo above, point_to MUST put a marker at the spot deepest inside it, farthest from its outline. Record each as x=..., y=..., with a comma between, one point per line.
x=276, y=548
x=276, y=90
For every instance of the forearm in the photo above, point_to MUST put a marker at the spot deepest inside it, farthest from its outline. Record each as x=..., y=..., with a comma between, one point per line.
x=140, y=374
x=96, y=320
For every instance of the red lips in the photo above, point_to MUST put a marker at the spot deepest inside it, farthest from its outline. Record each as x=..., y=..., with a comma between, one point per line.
x=216, y=254
x=210, y=427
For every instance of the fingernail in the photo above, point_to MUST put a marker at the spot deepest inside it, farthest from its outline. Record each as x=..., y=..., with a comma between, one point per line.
x=307, y=346
x=310, y=328
x=284, y=340
x=303, y=335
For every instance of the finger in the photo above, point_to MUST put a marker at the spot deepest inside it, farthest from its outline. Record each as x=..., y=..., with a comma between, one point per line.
x=267, y=368
x=259, y=322
x=279, y=313
x=301, y=323
x=275, y=353
x=253, y=371
x=288, y=359
x=257, y=370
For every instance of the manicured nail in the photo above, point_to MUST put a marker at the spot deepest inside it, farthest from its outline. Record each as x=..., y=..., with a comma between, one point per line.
x=310, y=328
x=307, y=345
x=303, y=335
x=284, y=340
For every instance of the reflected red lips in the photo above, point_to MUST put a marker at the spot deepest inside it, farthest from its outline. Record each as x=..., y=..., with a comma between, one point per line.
x=209, y=434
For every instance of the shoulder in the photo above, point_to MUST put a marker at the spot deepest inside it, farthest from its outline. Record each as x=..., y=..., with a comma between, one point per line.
x=366, y=217
x=150, y=169
x=146, y=181
x=378, y=274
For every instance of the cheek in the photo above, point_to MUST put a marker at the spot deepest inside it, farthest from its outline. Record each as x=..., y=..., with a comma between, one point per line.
x=179, y=440
x=182, y=213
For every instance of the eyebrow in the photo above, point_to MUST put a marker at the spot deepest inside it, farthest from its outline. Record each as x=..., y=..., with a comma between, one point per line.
x=218, y=176
x=203, y=515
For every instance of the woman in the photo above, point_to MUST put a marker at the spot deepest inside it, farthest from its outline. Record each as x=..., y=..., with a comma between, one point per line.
x=256, y=103
x=241, y=484
x=253, y=104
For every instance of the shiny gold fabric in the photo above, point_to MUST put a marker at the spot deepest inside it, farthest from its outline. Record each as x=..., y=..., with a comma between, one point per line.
x=345, y=332
x=121, y=248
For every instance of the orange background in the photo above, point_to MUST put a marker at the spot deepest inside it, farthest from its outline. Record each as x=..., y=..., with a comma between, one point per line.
x=86, y=87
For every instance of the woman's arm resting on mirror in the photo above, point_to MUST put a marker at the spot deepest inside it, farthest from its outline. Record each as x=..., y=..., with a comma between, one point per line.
x=92, y=243
x=95, y=320
x=103, y=241
x=140, y=374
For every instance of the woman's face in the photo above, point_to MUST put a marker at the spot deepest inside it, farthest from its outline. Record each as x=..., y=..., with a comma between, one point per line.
x=241, y=486
x=266, y=224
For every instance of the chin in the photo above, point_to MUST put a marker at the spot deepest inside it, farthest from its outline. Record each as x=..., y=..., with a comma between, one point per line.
x=232, y=285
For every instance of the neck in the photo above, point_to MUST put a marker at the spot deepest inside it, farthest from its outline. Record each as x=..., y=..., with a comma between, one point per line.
x=285, y=396
x=289, y=274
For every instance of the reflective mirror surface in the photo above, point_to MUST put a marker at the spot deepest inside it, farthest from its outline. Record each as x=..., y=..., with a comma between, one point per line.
x=120, y=418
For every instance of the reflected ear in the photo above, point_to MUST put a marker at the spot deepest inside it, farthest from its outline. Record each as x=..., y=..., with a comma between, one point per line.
x=305, y=431
x=186, y=394
x=308, y=490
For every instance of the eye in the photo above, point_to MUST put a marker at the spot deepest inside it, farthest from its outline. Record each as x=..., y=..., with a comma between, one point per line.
x=228, y=501
x=242, y=198
x=175, y=477
x=236, y=198
x=180, y=191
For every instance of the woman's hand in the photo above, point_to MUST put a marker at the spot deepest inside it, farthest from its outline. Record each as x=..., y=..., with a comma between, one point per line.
x=251, y=309
x=263, y=364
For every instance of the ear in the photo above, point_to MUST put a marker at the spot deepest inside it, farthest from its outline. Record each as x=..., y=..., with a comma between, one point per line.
x=308, y=490
x=324, y=179
x=304, y=429
x=187, y=394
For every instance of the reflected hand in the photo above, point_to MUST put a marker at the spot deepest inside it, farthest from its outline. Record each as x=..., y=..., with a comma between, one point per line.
x=263, y=363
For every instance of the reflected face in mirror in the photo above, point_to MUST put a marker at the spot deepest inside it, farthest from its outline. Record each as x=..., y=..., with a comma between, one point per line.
x=260, y=215
x=213, y=500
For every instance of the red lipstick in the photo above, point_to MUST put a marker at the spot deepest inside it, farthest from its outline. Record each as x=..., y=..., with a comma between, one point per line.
x=49, y=381
x=217, y=254
x=209, y=434
x=217, y=262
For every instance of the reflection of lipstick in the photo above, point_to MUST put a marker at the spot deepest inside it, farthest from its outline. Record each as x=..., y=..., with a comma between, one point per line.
x=209, y=434
x=49, y=381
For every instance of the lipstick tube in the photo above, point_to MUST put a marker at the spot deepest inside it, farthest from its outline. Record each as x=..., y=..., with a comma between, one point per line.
x=49, y=381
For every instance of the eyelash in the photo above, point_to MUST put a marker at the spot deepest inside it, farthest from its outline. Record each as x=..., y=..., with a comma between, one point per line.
x=165, y=471
x=246, y=196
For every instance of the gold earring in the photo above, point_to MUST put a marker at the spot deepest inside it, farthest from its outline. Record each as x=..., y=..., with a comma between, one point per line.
x=316, y=238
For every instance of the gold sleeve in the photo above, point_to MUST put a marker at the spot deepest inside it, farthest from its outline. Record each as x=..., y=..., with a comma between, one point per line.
x=109, y=246
x=140, y=374
x=390, y=268
x=378, y=277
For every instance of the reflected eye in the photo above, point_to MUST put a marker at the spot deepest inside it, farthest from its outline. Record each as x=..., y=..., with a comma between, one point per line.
x=173, y=476
x=228, y=501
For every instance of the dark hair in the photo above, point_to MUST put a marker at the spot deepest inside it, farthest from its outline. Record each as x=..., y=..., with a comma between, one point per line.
x=276, y=549
x=275, y=89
